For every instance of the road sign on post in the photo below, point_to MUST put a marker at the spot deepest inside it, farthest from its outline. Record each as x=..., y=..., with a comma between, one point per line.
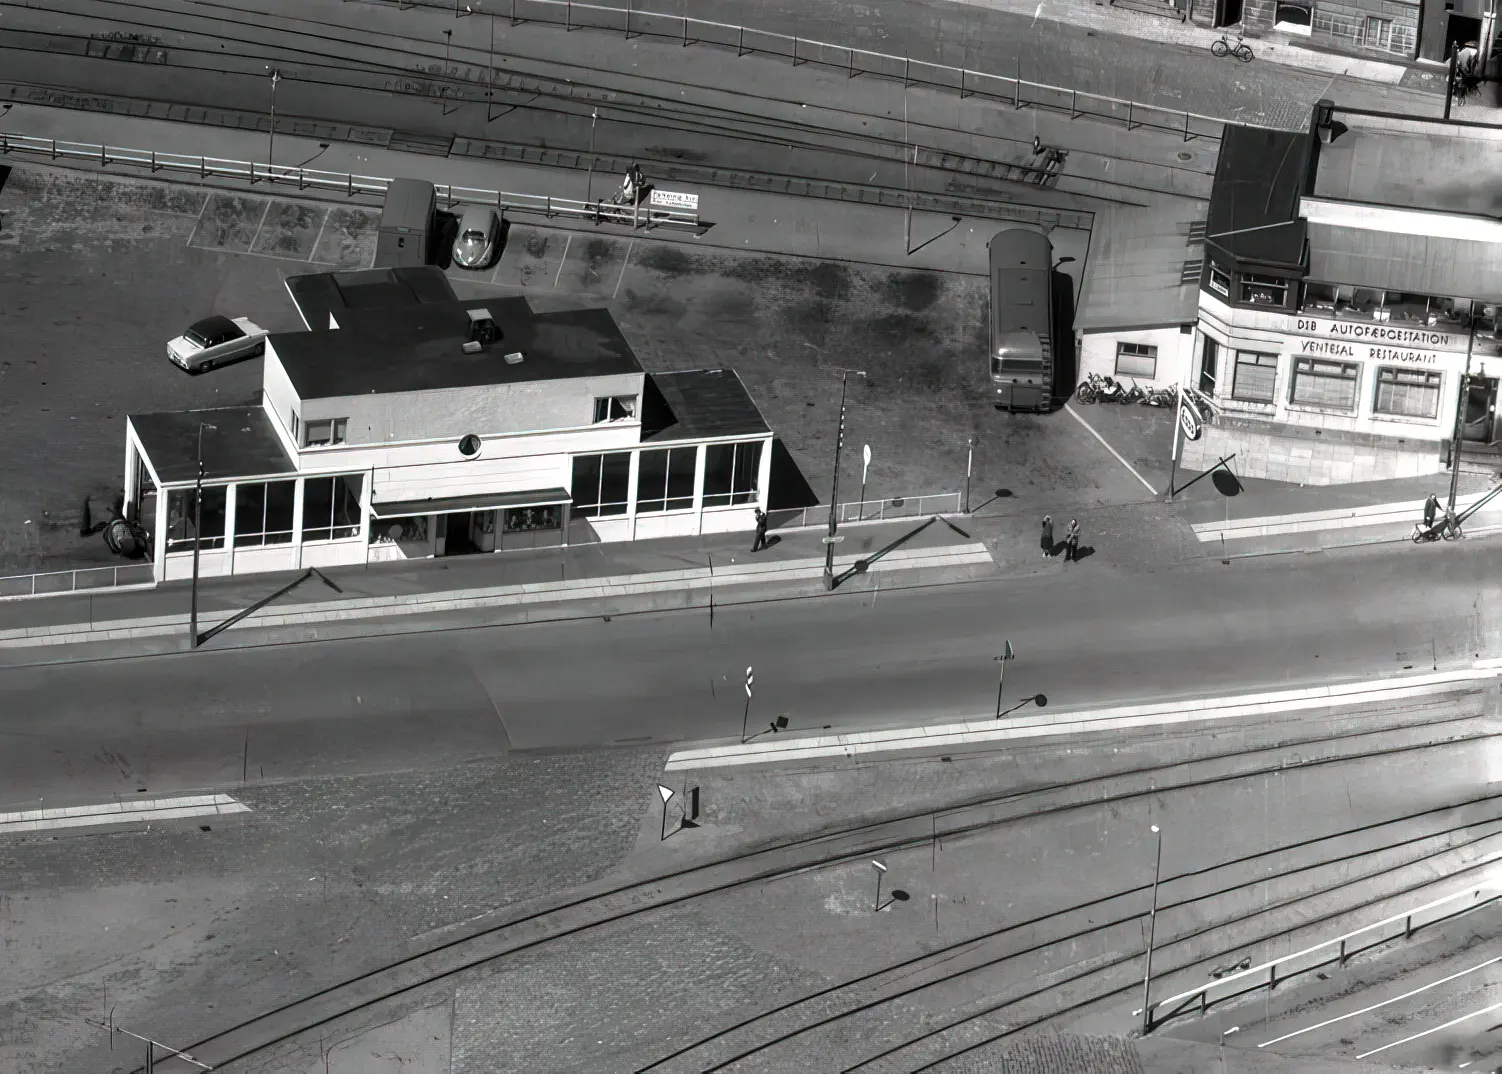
x=666, y=793
x=746, y=714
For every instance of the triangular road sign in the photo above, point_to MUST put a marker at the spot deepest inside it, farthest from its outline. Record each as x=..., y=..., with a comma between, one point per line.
x=1010, y=655
x=666, y=792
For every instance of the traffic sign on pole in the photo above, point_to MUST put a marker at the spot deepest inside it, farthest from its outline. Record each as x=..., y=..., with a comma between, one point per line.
x=750, y=678
x=1010, y=653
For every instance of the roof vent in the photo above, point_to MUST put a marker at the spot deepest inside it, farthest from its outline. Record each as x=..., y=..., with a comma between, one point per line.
x=482, y=328
x=515, y=358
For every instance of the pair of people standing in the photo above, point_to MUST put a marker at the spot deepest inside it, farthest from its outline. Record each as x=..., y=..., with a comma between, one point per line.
x=1071, y=540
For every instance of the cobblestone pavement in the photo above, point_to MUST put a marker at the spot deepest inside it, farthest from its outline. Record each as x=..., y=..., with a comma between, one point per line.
x=184, y=930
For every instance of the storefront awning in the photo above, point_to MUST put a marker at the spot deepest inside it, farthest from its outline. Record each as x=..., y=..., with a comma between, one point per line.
x=1417, y=264
x=454, y=504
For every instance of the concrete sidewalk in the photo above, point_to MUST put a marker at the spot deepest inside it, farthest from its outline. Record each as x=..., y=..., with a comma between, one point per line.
x=1270, y=517
x=582, y=580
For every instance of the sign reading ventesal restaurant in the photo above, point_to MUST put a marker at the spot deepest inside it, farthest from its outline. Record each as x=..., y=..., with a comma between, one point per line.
x=1334, y=348
x=1365, y=332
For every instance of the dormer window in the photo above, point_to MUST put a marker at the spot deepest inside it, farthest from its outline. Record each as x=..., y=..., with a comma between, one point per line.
x=615, y=408
x=324, y=433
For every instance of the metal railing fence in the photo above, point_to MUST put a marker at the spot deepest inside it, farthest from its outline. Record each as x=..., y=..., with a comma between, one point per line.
x=934, y=503
x=348, y=184
x=84, y=579
x=746, y=40
x=1331, y=952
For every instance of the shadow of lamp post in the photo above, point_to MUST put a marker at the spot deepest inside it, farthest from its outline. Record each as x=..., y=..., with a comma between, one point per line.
x=1152, y=922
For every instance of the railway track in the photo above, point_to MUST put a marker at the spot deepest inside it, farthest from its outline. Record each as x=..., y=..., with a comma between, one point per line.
x=1005, y=952
x=593, y=910
x=658, y=107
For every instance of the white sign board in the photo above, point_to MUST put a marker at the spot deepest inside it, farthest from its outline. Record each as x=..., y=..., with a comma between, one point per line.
x=1390, y=335
x=1332, y=348
x=666, y=792
x=1190, y=419
x=669, y=199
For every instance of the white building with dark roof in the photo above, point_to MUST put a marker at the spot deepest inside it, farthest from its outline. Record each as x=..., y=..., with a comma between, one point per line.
x=417, y=425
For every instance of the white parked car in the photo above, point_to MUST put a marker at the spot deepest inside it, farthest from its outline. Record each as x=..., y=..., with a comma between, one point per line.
x=216, y=341
x=479, y=237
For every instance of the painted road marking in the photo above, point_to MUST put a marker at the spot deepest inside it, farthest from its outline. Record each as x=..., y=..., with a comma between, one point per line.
x=625, y=261
x=1436, y=1029
x=985, y=731
x=1384, y=1003
x=563, y=260
x=1109, y=448
x=149, y=811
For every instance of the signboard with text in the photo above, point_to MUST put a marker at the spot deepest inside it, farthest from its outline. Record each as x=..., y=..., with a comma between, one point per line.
x=669, y=199
x=1417, y=337
x=1366, y=352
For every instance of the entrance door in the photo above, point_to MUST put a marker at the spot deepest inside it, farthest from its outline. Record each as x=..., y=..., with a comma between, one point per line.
x=1227, y=13
x=456, y=534
x=1480, y=410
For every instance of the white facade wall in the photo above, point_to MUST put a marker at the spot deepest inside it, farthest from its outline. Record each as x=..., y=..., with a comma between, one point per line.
x=491, y=410
x=1175, y=355
x=1370, y=346
x=279, y=400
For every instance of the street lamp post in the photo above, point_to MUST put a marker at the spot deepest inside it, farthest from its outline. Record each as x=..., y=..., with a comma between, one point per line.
x=1224, y=1033
x=276, y=76
x=969, y=468
x=1152, y=922
x=834, y=493
x=197, y=530
x=1460, y=408
x=589, y=188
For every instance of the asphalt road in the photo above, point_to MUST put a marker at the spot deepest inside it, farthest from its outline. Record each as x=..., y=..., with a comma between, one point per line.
x=1085, y=640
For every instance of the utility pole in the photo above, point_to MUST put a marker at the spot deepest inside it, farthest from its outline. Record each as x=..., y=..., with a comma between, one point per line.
x=834, y=493
x=969, y=468
x=1460, y=408
x=276, y=77
x=589, y=188
x=197, y=539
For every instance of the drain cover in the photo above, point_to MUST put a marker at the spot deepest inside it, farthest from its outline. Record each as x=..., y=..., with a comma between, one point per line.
x=1182, y=155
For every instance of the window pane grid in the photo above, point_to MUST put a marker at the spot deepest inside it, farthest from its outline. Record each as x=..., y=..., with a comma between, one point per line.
x=1256, y=377
x=331, y=507
x=601, y=483
x=1136, y=360
x=731, y=473
x=1330, y=384
x=180, y=518
x=665, y=480
x=1412, y=393
x=263, y=513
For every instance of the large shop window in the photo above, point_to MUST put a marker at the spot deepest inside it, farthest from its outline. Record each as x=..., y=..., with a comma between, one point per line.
x=181, y=515
x=263, y=513
x=600, y=484
x=1136, y=360
x=331, y=507
x=1256, y=377
x=1320, y=383
x=1264, y=290
x=1411, y=393
x=665, y=479
x=731, y=473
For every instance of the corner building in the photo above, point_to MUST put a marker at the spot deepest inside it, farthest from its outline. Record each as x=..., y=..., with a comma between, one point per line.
x=1351, y=280
x=406, y=424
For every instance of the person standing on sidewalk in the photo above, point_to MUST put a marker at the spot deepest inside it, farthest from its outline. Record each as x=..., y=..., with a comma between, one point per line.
x=761, y=531
x=1072, y=542
x=1047, y=541
x=1431, y=508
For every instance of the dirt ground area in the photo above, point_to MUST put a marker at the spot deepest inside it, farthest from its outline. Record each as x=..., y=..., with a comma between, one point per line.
x=98, y=272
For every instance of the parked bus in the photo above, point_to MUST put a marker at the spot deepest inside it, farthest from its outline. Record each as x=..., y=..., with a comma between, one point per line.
x=1022, y=320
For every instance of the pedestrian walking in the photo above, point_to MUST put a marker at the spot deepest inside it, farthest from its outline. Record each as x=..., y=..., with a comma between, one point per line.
x=1431, y=508
x=1047, y=540
x=1072, y=542
x=761, y=531
x=1465, y=59
x=1037, y=145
